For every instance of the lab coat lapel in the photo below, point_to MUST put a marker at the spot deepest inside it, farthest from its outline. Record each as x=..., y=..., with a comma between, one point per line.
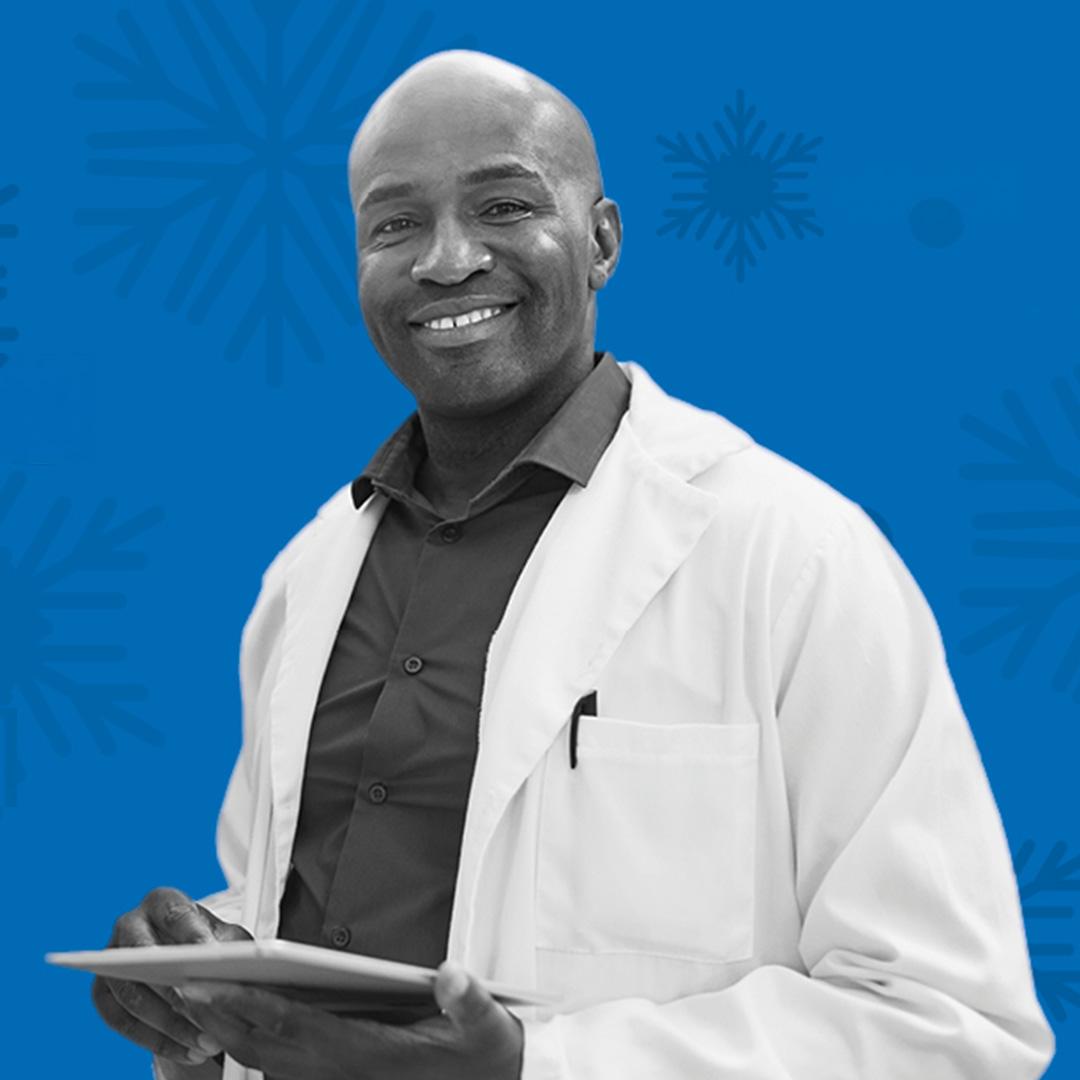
x=608, y=549
x=317, y=590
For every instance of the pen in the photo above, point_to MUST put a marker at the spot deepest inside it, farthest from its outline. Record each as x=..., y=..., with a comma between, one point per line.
x=586, y=706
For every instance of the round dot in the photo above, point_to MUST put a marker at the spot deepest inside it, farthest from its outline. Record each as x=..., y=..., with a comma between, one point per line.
x=936, y=222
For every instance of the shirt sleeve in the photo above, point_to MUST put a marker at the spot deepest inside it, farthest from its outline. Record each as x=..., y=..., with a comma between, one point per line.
x=914, y=957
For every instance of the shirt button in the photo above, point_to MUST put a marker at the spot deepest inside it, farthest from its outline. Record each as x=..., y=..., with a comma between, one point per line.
x=450, y=534
x=377, y=793
x=412, y=665
x=340, y=937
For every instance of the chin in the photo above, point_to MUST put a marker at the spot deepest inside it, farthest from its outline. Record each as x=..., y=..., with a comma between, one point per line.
x=474, y=400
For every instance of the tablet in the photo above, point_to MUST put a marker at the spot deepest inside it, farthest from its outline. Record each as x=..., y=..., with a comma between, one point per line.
x=308, y=972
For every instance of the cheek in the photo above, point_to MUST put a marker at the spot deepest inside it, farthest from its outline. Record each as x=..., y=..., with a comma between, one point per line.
x=367, y=279
x=563, y=263
x=376, y=298
x=367, y=310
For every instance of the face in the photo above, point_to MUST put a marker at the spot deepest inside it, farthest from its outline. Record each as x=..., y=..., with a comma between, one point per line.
x=475, y=245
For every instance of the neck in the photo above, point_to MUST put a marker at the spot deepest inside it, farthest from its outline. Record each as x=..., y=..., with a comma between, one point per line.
x=465, y=453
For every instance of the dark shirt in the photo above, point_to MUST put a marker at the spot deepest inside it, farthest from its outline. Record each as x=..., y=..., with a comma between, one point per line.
x=394, y=737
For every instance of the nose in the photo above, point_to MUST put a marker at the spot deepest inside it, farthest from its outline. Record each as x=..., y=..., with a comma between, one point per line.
x=451, y=255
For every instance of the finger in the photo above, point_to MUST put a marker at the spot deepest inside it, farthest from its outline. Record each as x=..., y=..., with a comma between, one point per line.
x=176, y=918
x=238, y=1037
x=185, y=1047
x=463, y=999
x=169, y=996
x=269, y=1012
x=213, y=1017
x=133, y=930
x=259, y=1029
x=143, y=1003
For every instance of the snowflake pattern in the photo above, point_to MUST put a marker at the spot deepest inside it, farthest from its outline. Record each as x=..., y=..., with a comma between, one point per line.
x=258, y=206
x=739, y=185
x=1050, y=919
x=36, y=667
x=1047, y=537
x=8, y=231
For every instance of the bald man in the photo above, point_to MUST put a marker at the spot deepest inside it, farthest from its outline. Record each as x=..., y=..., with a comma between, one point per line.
x=580, y=687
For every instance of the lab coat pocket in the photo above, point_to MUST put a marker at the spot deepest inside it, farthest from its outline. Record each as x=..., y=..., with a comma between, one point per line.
x=647, y=846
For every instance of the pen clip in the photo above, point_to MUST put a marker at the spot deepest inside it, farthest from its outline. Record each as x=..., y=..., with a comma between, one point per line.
x=586, y=706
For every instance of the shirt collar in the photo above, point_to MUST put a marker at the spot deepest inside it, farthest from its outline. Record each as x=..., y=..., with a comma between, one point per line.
x=570, y=443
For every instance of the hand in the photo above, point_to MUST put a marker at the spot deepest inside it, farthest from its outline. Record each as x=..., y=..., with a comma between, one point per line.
x=475, y=1036
x=151, y=1016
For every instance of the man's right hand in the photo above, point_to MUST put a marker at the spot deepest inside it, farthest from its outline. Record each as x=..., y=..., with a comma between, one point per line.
x=152, y=1016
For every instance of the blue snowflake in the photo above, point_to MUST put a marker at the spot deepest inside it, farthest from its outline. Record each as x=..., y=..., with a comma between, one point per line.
x=34, y=665
x=1047, y=537
x=8, y=231
x=739, y=186
x=1050, y=920
x=243, y=138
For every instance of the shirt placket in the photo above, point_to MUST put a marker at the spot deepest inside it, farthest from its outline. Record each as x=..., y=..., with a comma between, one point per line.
x=394, y=732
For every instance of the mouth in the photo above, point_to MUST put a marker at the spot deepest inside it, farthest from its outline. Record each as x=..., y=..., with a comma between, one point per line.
x=471, y=325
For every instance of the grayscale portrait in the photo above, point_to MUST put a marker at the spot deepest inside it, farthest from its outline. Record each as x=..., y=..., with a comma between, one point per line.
x=631, y=739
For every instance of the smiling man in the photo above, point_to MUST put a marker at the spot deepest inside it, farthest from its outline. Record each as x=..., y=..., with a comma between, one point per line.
x=577, y=687
x=483, y=236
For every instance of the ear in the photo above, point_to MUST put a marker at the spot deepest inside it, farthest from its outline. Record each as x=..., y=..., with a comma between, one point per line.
x=606, y=242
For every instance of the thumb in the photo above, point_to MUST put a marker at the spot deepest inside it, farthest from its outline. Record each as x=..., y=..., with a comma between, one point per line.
x=462, y=998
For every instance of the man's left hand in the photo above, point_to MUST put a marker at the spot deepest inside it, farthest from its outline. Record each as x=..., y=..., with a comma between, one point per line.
x=475, y=1036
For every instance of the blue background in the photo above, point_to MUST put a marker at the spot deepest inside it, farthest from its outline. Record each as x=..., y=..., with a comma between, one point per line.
x=175, y=404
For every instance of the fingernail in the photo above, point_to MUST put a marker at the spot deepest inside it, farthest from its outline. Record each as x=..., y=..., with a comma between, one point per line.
x=197, y=1058
x=457, y=982
x=210, y=1046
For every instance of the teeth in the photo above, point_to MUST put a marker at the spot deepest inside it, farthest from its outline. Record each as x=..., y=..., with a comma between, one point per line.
x=467, y=319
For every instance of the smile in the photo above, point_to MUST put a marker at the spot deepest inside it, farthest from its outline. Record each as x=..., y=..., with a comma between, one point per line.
x=465, y=319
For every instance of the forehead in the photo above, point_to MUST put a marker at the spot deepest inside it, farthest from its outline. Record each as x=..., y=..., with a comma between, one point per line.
x=431, y=141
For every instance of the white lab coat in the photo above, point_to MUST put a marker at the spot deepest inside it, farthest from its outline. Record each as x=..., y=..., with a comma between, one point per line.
x=778, y=856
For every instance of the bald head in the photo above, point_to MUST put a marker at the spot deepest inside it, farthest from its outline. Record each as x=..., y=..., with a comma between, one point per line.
x=444, y=92
x=482, y=235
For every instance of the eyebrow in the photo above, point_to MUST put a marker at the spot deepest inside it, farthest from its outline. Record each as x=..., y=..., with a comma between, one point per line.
x=509, y=171
x=484, y=175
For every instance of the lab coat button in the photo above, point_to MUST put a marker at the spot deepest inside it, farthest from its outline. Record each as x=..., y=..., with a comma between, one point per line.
x=450, y=534
x=412, y=665
x=377, y=793
x=340, y=937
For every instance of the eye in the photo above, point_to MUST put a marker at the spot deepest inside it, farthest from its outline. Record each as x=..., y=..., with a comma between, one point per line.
x=394, y=225
x=506, y=208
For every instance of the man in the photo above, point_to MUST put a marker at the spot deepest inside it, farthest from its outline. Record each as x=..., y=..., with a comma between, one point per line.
x=580, y=687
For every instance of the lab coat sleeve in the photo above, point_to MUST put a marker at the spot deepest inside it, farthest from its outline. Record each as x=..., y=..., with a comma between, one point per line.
x=259, y=642
x=227, y=904
x=914, y=960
